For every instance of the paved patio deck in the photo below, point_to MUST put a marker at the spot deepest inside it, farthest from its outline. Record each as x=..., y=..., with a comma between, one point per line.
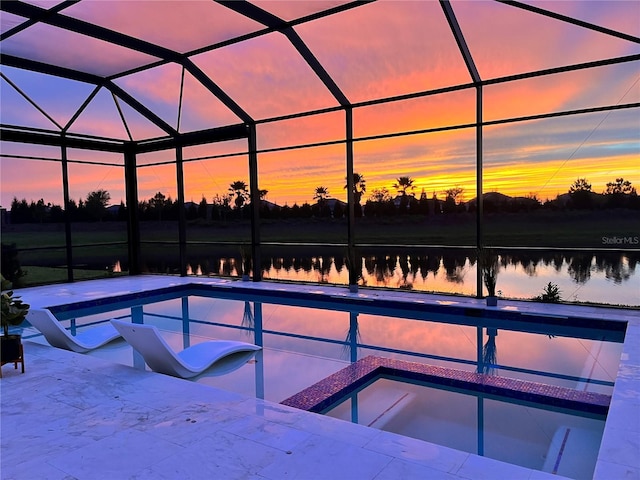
x=77, y=416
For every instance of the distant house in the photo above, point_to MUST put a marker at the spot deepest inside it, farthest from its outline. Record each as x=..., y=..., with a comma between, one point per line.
x=112, y=210
x=410, y=199
x=499, y=202
x=332, y=202
x=272, y=207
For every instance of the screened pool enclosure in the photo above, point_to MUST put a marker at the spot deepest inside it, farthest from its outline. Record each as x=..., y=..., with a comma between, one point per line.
x=379, y=143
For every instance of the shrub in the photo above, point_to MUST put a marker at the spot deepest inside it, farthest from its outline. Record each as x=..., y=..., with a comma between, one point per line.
x=550, y=294
x=11, y=269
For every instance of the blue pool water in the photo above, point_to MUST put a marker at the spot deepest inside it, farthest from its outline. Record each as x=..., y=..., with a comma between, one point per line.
x=530, y=435
x=306, y=339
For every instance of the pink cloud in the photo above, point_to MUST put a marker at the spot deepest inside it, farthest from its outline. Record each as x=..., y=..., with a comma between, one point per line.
x=387, y=48
x=304, y=130
x=176, y=25
x=48, y=44
x=291, y=9
x=266, y=77
x=84, y=179
x=43, y=181
x=506, y=40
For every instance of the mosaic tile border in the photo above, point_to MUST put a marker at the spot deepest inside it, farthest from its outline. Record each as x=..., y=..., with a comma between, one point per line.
x=325, y=393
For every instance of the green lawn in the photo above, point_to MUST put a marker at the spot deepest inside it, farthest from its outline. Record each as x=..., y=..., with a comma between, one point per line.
x=44, y=275
x=564, y=229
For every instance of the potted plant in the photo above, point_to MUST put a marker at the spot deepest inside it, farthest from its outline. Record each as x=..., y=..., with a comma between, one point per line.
x=14, y=311
x=488, y=260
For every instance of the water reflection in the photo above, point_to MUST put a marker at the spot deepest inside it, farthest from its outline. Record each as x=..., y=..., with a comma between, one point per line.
x=303, y=345
x=523, y=274
x=586, y=359
x=489, y=360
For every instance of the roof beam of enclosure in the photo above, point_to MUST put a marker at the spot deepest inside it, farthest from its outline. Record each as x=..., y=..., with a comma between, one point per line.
x=53, y=138
x=49, y=69
x=117, y=38
x=140, y=108
x=91, y=30
x=30, y=100
x=210, y=85
x=571, y=20
x=563, y=69
x=462, y=43
x=454, y=88
x=475, y=76
x=271, y=21
x=57, y=71
x=49, y=137
x=213, y=135
x=258, y=33
x=33, y=19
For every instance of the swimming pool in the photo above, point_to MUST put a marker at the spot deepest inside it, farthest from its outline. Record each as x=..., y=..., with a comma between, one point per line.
x=306, y=340
x=529, y=435
x=553, y=429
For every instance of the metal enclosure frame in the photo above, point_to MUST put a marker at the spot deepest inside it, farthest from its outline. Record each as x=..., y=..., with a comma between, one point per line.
x=174, y=140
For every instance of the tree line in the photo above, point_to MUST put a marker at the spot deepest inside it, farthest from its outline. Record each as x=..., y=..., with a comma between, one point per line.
x=236, y=202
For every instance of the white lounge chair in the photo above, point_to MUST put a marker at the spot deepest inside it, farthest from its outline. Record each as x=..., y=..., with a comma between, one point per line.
x=60, y=337
x=190, y=362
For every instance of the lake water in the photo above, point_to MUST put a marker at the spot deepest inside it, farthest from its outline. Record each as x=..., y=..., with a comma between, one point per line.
x=608, y=278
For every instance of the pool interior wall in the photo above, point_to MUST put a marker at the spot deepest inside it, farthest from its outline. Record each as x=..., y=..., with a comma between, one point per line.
x=548, y=428
x=530, y=435
x=619, y=446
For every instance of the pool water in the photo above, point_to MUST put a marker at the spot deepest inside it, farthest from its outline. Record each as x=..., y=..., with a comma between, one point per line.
x=532, y=436
x=304, y=341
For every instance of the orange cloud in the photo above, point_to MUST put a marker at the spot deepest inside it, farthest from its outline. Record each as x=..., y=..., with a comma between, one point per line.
x=292, y=176
x=159, y=178
x=442, y=110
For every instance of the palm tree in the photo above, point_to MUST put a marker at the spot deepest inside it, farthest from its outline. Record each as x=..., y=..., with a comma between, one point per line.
x=359, y=187
x=241, y=192
x=322, y=208
x=321, y=194
x=403, y=184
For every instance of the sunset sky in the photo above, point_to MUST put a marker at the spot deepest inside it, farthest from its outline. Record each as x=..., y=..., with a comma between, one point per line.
x=378, y=50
